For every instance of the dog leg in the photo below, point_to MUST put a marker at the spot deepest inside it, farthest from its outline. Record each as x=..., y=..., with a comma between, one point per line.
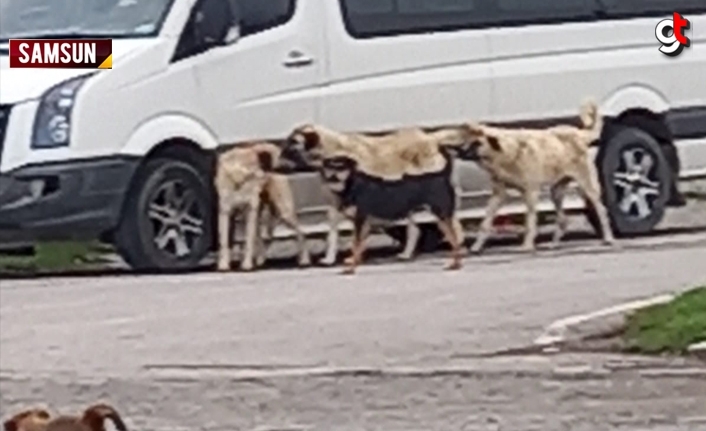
x=494, y=203
x=332, y=238
x=447, y=228
x=291, y=221
x=224, y=236
x=251, y=232
x=360, y=234
x=413, y=234
x=588, y=182
x=265, y=228
x=558, y=192
x=531, y=220
x=460, y=235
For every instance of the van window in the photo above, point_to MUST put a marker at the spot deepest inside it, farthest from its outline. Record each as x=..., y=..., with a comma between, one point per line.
x=637, y=8
x=521, y=12
x=261, y=15
x=374, y=18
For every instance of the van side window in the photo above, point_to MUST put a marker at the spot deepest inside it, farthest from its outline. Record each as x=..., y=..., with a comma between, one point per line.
x=375, y=18
x=638, y=8
x=520, y=12
x=261, y=15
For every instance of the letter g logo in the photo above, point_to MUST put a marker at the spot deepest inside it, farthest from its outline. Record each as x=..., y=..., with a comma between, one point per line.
x=670, y=33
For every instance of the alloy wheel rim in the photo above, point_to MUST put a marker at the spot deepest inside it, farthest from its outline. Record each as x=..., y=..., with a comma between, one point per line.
x=176, y=218
x=635, y=184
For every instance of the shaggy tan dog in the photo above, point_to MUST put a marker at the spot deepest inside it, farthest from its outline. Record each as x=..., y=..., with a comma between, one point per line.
x=392, y=173
x=245, y=181
x=529, y=159
x=93, y=419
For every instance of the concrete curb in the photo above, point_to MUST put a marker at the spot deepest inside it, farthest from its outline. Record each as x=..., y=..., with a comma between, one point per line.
x=599, y=323
x=698, y=350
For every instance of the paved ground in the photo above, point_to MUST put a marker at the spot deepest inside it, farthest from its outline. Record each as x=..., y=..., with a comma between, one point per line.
x=393, y=348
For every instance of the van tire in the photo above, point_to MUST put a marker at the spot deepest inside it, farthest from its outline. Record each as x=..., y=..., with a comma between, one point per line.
x=635, y=179
x=178, y=233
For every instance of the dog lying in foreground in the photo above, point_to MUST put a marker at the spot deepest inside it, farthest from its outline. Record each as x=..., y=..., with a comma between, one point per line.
x=93, y=419
x=529, y=159
x=245, y=181
x=381, y=179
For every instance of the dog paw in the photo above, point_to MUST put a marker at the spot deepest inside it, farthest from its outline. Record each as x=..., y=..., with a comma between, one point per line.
x=327, y=261
x=528, y=248
x=304, y=262
x=348, y=271
x=247, y=267
x=405, y=257
x=223, y=265
x=453, y=266
x=348, y=261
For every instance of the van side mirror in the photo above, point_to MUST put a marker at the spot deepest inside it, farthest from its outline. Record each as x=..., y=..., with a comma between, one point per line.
x=217, y=23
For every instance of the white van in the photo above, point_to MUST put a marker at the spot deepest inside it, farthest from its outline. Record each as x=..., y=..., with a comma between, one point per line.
x=126, y=154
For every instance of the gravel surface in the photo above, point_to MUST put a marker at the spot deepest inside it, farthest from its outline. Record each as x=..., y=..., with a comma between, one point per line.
x=393, y=348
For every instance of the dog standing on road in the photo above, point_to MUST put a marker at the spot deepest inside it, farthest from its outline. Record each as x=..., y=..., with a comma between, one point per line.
x=528, y=159
x=385, y=178
x=93, y=419
x=244, y=180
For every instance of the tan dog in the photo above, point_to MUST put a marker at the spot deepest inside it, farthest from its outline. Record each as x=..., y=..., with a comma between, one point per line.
x=245, y=181
x=404, y=162
x=93, y=419
x=528, y=159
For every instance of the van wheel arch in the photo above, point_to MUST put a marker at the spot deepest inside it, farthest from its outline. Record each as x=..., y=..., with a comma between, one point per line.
x=652, y=123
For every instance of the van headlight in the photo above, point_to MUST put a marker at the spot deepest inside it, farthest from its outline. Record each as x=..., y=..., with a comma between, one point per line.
x=52, y=124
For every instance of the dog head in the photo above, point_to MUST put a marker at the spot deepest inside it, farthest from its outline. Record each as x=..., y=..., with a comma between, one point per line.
x=304, y=147
x=477, y=144
x=337, y=171
x=28, y=420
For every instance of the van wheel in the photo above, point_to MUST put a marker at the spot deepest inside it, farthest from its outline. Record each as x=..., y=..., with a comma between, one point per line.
x=430, y=237
x=166, y=222
x=635, y=179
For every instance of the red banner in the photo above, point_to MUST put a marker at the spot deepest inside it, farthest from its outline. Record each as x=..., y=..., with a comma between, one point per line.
x=62, y=53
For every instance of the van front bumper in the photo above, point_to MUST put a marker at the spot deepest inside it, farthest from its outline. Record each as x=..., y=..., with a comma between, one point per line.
x=63, y=201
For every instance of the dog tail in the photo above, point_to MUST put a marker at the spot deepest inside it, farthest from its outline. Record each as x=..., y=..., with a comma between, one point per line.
x=94, y=417
x=590, y=117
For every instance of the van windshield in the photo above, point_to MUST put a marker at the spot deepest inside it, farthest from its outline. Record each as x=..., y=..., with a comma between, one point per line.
x=81, y=18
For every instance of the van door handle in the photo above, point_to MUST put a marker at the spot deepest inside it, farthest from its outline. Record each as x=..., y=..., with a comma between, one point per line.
x=297, y=59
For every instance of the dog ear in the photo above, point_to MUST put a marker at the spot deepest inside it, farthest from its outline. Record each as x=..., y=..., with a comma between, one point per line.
x=94, y=418
x=495, y=144
x=311, y=139
x=266, y=161
x=11, y=424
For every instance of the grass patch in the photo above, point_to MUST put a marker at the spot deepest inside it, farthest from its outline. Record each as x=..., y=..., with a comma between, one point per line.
x=669, y=328
x=56, y=257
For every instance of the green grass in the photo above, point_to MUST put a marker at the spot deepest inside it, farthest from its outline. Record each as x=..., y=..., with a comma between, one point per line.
x=56, y=256
x=669, y=328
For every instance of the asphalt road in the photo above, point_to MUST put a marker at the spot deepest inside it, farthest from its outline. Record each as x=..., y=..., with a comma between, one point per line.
x=393, y=348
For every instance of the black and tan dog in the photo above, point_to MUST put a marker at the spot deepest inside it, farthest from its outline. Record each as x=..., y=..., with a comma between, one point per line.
x=381, y=179
x=39, y=419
